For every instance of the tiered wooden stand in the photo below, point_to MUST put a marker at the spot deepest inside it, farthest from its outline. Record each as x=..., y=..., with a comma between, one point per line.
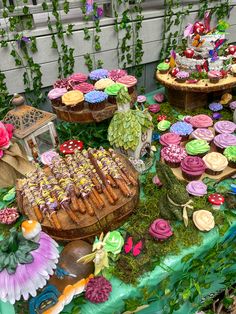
x=108, y=218
x=88, y=116
x=191, y=96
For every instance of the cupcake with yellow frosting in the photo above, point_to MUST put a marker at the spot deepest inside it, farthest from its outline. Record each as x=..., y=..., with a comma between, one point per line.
x=103, y=83
x=73, y=100
x=215, y=163
x=197, y=148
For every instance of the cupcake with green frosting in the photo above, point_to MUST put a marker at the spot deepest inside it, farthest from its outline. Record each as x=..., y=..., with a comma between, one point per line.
x=112, y=92
x=230, y=154
x=163, y=67
x=163, y=125
x=197, y=148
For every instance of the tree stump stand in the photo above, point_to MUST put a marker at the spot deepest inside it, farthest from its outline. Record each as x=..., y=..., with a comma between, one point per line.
x=191, y=96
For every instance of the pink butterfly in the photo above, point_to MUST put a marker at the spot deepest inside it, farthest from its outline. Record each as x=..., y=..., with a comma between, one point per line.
x=136, y=249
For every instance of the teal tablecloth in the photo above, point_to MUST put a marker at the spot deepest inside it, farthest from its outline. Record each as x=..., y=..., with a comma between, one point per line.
x=177, y=285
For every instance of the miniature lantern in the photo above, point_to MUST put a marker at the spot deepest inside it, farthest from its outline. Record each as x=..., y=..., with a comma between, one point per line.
x=33, y=127
x=130, y=131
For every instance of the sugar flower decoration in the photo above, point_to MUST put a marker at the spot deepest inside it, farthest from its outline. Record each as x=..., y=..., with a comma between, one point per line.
x=215, y=106
x=8, y=215
x=98, y=290
x=25, y=265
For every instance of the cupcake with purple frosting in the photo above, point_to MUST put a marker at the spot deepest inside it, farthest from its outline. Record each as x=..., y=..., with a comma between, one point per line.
x=184, y=129
x=196, y=188
x=203, y=134
x=55, y=95
x=222, y=141
x=182, y=76
x=98, y=74
x=225, y=127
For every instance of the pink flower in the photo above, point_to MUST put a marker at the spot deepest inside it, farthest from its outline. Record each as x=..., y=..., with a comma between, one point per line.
x=156, y=181
x=1, y=153
x=154, y=108
x=159, y=97
x=4, y=137
x=9, y=127
x=160, y=229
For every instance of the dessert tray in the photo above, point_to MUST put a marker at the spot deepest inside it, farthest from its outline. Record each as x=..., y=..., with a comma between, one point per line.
x=88, y=116
x=81, y=195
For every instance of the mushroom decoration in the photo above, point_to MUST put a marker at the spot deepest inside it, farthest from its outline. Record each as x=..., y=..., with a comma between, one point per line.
x=216, y=200
x=70, y=146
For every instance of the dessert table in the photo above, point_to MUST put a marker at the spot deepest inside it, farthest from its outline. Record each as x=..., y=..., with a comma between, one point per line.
x=178, y=283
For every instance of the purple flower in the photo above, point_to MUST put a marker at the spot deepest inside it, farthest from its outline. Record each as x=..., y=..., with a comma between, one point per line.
x=232, y=105
x=216, y=116
x=215, y=106
x=99, y=13
x=22, y=41
x=89, y=6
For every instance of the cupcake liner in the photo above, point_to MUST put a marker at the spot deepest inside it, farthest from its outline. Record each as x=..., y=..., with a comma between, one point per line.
x=184, y=138
x=181, y=80
x=112, y=99
x=97, y=106
x=232, y=164
x=56, y=102
x=163, y=71
x=172, y=164
x=77, y=107
x=214, y=80
x=189, y=177
x=212, y=172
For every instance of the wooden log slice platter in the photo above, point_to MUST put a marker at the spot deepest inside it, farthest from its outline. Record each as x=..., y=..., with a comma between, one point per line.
x=105, y=219
x=88, y=116
x=190, y=96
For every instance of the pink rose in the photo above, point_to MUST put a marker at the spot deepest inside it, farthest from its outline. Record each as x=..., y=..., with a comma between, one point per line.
x=9, y=127
x=1, y=153
x=159, y=97
x=154, y=108
x=160, y=229
x=4, y=137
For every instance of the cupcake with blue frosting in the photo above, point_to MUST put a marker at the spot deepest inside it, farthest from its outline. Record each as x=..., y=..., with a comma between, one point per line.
x=184, y=129
x=96, y=100
x=98, y=74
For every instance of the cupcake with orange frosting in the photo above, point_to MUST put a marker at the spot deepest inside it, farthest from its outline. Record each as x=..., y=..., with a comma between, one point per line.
x=73, y=100
x=31, y=230
x=129, y=81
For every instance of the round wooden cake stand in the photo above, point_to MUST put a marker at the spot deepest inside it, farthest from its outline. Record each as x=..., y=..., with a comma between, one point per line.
x=108, y=218
x=190, y=96
x=88, y=116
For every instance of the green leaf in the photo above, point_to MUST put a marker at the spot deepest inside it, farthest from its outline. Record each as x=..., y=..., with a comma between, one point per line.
x=186, y=294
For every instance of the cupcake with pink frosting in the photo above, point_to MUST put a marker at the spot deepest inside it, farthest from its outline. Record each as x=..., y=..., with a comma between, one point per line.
x=173, y=154
x=201, y=121
x=55, y=95
x=170, y=139
x=115, y=74
x=160, y=230
x=214, y=76
x=196, y=188
x=76, y=79
x=84, y=87
x=192, y=168
x=203, y=134
x=129, y=81
x=225, y=127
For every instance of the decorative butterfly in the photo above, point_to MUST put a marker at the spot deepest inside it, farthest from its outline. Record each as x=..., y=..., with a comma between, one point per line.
x=136, y=249
x=203, y=67
x=214, y=52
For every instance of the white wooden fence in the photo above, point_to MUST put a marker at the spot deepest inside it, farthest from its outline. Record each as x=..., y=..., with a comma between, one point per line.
x=151, y=34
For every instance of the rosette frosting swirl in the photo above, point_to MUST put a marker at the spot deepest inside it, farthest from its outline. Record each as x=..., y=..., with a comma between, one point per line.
x=196, y=188
x=113, y=89
x=170, y=138
x=84, y=87
x=203, y=134
x=215, y=161
x=77, y=78
x=72, y=98
x=95, y=97
x=56, y=93
x=128, y=80
x=230, y=153
x=181, y=128
x=196, y=147
x=203, y=220
x=163, y=125
x=160, y=229
x=225, y=126
x=116, y=74
x=201, y=121
x=193, y=165
x=225, y=140
x=103, y=83
x=98, y=74
x=113, y=242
